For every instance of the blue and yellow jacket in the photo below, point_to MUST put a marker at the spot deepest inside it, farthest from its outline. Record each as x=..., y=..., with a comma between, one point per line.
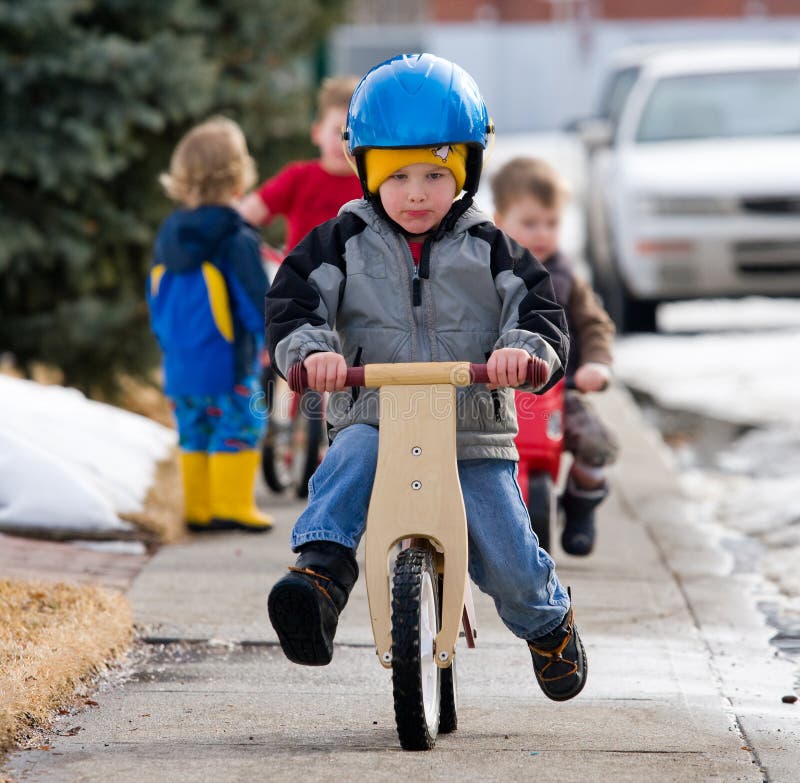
x=206, y=293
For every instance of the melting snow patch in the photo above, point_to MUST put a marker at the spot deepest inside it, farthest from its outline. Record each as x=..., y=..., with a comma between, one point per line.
x=70, y=463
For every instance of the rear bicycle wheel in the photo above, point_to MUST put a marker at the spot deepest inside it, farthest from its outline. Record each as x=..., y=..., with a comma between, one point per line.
x=275, y=464
x=309, y=422
x=276, y=459
x=416, y=679
x=448, y=710
x=542, y=504
x=448, y=713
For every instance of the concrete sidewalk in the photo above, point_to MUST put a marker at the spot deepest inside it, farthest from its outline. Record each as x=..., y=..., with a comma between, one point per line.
x=683, y=685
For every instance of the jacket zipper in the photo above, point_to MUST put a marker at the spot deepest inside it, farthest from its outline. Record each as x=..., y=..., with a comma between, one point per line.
x=421, y=272
x=419, y=339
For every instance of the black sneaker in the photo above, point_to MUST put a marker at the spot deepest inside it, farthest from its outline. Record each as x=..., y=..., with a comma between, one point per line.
x=559, y=661
x=304, y=605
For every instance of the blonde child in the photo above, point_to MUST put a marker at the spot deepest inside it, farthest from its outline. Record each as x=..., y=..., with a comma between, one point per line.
x=206, y=293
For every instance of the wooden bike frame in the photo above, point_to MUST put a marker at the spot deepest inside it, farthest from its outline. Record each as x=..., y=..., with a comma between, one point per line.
x=417, y=493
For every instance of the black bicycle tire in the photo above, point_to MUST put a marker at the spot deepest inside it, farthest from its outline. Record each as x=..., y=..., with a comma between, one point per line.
x=541, y=507
x=448, y=705
x=268, y=471
x=311, y=457
x=311, y=410
x=412, y=727
x=268, y=456
x=448, y=701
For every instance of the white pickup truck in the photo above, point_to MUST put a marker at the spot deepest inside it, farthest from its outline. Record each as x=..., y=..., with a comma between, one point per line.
x=694, y=185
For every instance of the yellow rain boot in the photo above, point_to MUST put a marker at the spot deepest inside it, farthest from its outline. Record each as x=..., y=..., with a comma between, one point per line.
x=196, y=496
x=233, y=477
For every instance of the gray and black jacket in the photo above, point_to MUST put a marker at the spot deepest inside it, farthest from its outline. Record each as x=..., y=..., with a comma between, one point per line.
x=351, y=286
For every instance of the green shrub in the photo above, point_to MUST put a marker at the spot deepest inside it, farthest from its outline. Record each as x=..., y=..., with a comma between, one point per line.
x=94, y=94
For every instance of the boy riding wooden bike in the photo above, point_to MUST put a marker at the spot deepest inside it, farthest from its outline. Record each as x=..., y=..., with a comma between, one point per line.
x=413, y=272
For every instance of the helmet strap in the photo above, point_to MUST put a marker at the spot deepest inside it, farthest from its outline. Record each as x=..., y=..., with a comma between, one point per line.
x=474, y=168
x=347, y=156
x=487, y=156
x=361, y=170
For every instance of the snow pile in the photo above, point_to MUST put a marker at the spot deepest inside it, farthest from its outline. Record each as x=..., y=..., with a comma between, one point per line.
x=747, y=377
x=705, y=315
x=743, y=378
x=71, y=464
x=745, y=370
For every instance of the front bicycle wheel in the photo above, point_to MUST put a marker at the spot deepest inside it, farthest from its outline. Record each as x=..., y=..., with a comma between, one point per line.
x=416, y=679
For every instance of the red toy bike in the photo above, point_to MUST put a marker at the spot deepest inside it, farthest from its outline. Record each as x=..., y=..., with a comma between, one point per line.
x=540, y=444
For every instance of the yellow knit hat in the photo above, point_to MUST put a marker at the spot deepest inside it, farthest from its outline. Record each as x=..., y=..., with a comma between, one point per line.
x=382, y=163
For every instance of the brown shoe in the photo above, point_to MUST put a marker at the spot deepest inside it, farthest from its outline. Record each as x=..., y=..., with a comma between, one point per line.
x=559, y=661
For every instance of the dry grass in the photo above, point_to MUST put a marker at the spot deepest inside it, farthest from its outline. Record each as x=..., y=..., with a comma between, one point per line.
x=144, y=398
x=162, y=516
x=53, y=638
x=163, y=508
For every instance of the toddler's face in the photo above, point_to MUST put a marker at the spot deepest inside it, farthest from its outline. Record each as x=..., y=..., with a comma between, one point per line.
x=327, y=135
x=532, y=224
x=418, y=196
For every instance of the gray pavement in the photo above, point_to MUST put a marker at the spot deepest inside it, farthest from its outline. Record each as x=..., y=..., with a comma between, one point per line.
x=683, y=684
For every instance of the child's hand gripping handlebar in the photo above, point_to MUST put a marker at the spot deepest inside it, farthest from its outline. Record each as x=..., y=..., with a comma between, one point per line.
x=456, y=373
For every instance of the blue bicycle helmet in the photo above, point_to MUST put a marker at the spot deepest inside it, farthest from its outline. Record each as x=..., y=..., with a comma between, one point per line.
x=417, y=100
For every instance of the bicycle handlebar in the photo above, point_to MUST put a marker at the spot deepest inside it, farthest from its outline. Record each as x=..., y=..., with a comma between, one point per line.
x=456, y=373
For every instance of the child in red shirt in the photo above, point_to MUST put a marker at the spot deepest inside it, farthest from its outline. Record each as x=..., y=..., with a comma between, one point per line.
x=310, y=192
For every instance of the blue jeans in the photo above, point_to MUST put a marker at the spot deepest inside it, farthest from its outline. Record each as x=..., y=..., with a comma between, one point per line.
x=505, y=560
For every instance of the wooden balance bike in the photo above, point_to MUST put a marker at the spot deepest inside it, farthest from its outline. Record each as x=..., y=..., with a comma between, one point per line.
x=419, y=597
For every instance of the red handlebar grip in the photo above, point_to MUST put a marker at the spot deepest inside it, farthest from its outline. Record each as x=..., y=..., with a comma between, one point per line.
x=298, y=377
x=537, y=372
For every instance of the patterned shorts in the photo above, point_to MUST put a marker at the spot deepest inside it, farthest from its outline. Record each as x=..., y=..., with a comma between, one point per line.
x=222, y=422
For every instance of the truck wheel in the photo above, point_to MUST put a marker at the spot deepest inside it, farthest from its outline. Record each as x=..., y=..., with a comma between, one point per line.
x=629, y=314
x=640, y=315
